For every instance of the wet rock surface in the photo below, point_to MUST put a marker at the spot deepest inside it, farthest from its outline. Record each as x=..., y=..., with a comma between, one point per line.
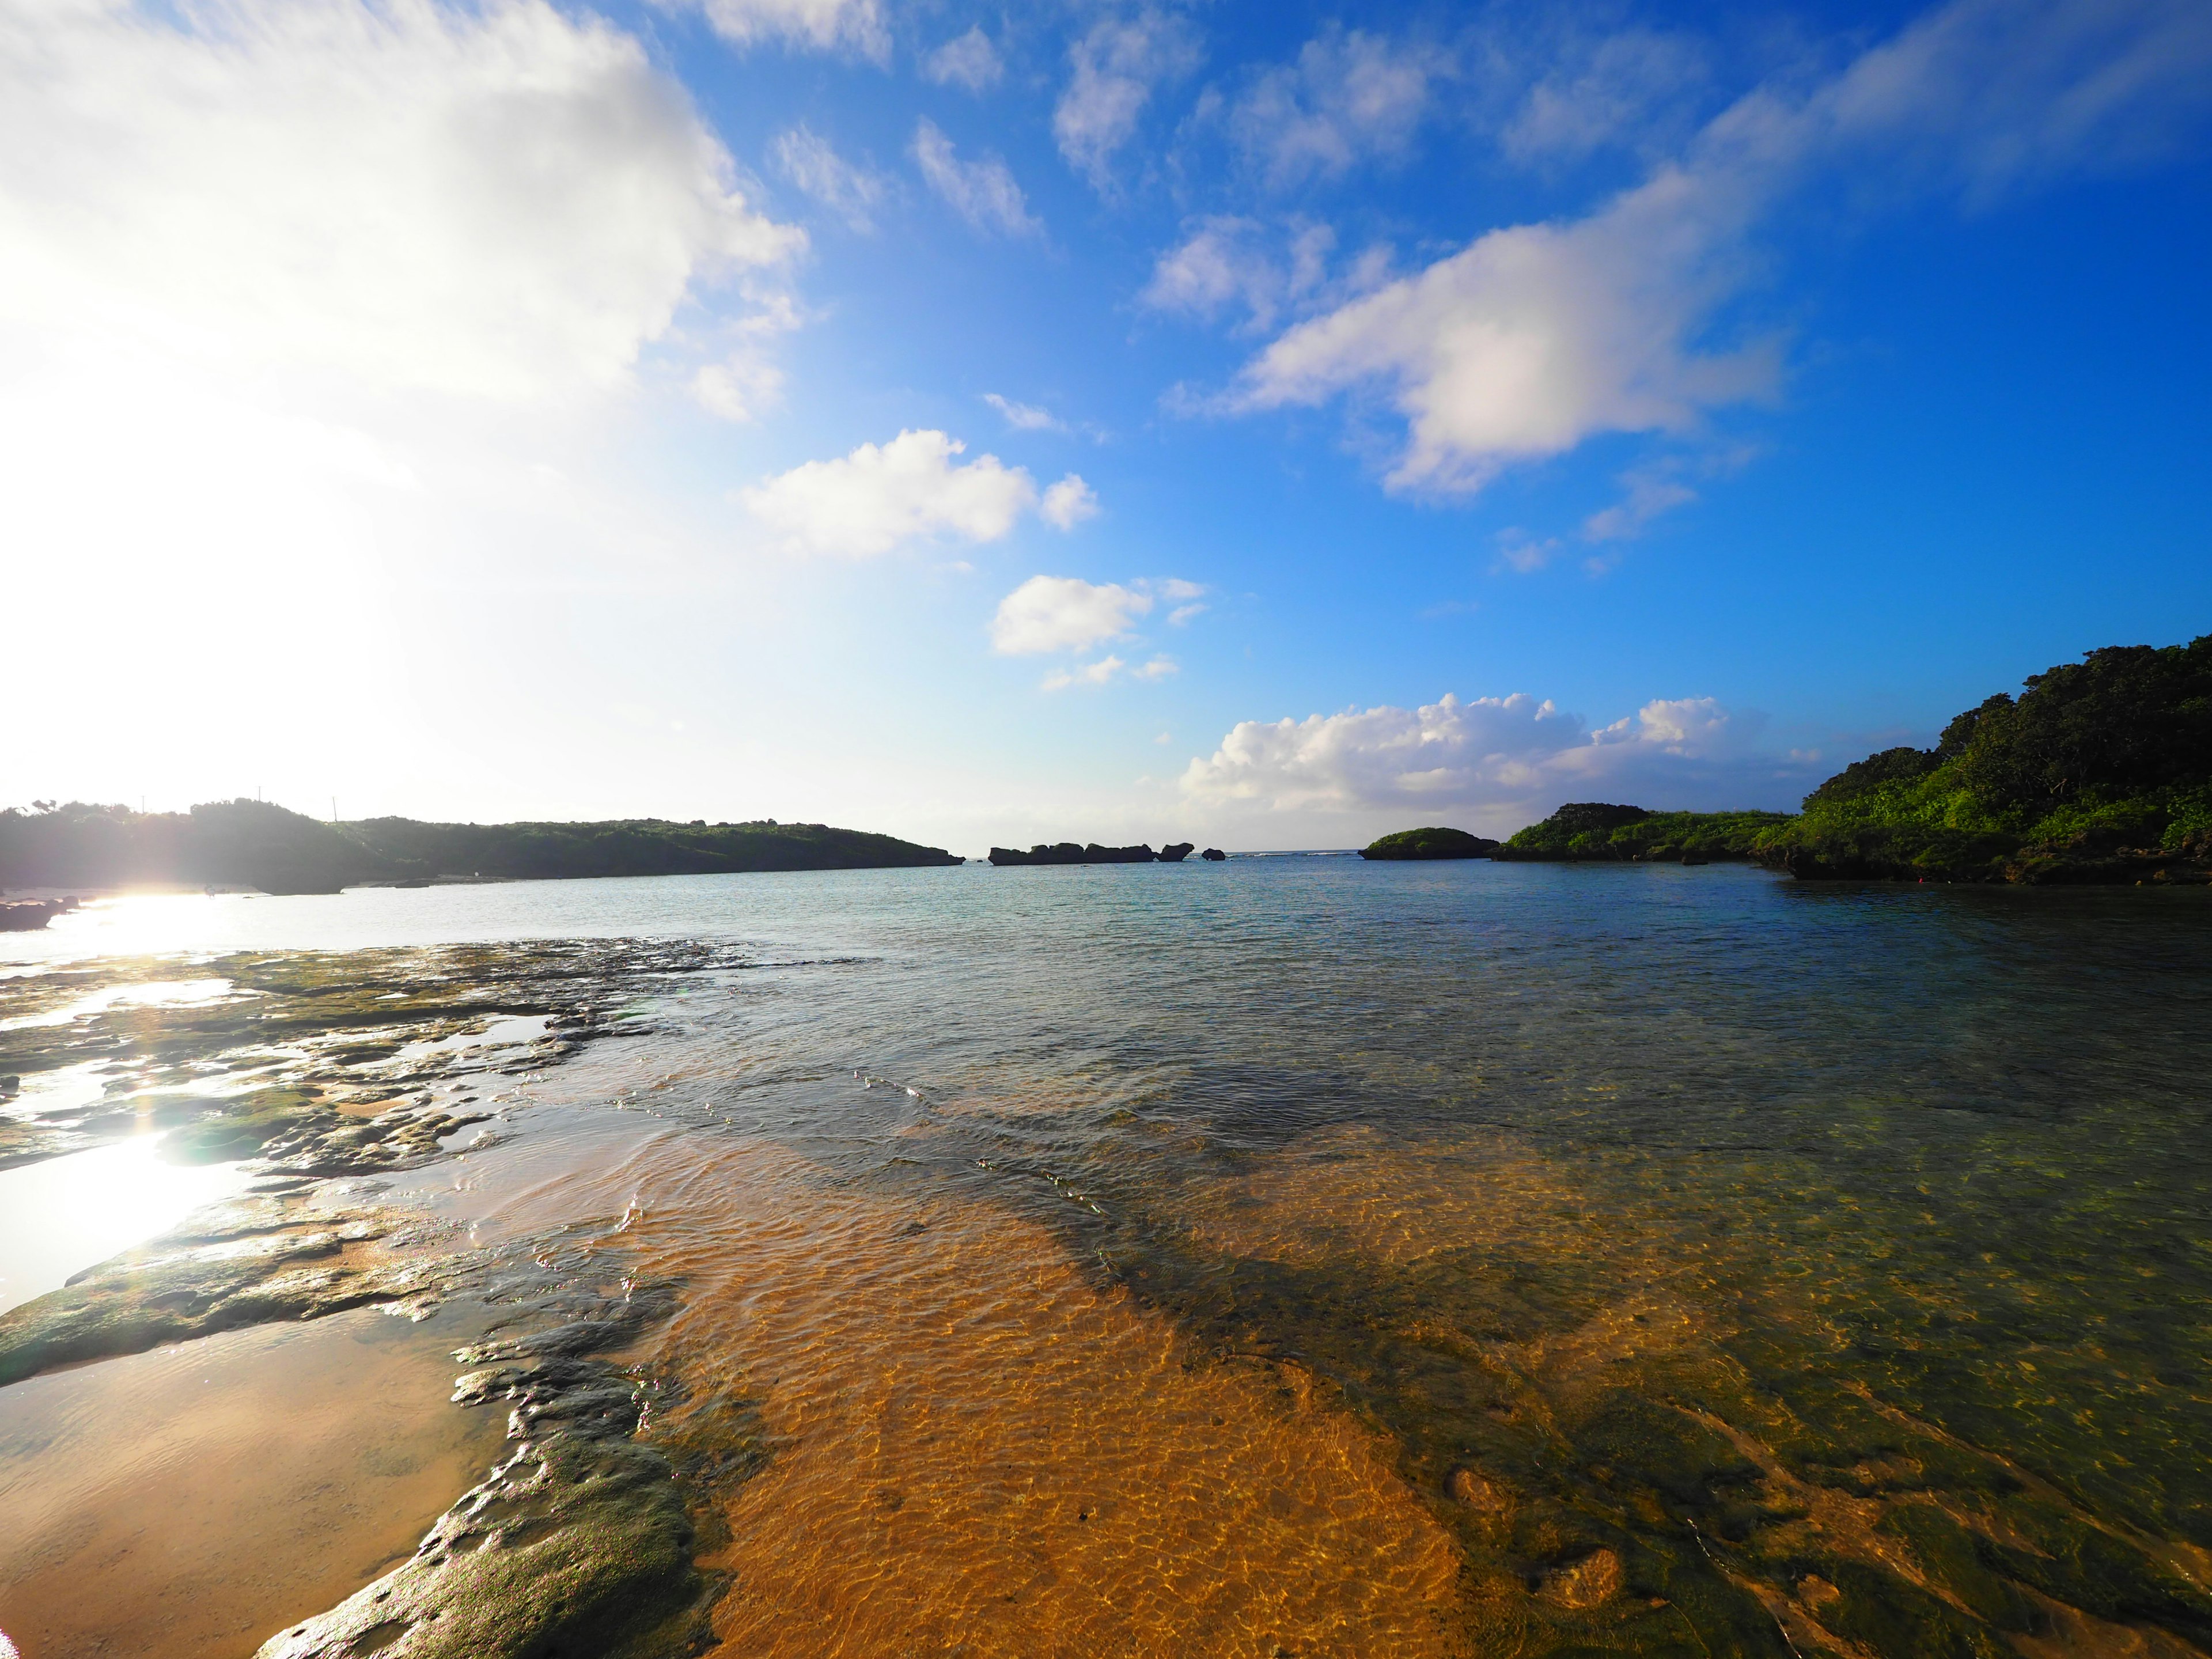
x=581, y=1540
x=244, y=1263
x=268, y=1053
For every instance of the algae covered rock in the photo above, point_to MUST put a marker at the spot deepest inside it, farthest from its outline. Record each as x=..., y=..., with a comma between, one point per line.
x=580, y=1541
x=1431, y=844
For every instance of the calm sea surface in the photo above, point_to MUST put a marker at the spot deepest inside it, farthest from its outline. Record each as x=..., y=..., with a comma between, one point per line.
x=1302, y=1255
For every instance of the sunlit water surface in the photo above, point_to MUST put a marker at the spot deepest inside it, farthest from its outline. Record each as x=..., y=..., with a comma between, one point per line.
x=1310, y=1257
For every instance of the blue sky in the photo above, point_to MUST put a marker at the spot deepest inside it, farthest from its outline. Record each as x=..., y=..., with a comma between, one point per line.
x=1272, y=425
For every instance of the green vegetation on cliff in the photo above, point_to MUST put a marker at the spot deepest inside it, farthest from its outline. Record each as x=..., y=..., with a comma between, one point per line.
x=1597, y=831
x=2100, y=770
x=245, y=843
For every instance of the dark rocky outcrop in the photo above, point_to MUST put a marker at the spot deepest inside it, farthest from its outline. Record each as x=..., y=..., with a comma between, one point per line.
x=1434, y=842
x=1175, y=852
x=1067, y=851
x=1213, y=855
x=26, y=915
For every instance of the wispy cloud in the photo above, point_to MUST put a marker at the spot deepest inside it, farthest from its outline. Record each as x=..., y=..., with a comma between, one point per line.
x=1025, y=417
x=982, y=192
x=812, y=163
x=847, y=26
x=1536, y=338
x=969, y=60
x=1115, y=67
x=1349, y=97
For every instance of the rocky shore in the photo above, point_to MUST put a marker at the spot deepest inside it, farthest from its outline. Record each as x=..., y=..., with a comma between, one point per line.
x=1068, y=852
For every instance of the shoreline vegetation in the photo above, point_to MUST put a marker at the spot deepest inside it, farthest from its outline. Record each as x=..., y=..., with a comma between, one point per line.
x=259, y=845
x=2100, y=772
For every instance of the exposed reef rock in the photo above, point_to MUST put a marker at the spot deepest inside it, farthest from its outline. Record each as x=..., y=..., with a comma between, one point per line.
x=1431, y=844
x=243, y=1263
x=1067, y=851
x=322, y=1065
x=27, y=915
x=581, y=1540
x=1213, y=855
x=1177, y=852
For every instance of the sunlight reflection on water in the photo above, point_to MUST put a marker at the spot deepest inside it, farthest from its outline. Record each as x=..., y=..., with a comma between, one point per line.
x=65, y=1214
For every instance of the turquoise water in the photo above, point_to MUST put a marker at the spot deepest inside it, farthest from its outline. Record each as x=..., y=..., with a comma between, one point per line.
x=1715, y=1262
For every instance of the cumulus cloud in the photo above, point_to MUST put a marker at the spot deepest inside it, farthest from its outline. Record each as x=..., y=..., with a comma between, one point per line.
x=1116, y=65
x=1536, y=338
x=969, y=60
x=1069, y=503
x=1025, y=417
x=812, y=164
x=854, y=26
x=1350, y=97
x=1514, y=756
x=884, y=495
x=1065, y=613
x=983, y=192
x=505, y=202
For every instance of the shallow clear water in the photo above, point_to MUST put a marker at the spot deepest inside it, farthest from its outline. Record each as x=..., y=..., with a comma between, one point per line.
x=1314, y=1256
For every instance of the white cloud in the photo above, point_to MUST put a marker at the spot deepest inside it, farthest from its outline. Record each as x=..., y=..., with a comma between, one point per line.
x=983, y=192
x=1097, y=673
x=738, y=389
x=1025, y=417
x=812, y=164
x=1105, y=671
x=1350, y=97
x=1536, y=338
x=1613, y=91
x=969, y=60
x=1226, y=261
x=1650, y=492
x=1065, y=613
x=1506, y=759
x=854, y=25
x=505, y=202
x=1069, y=502
x=1117, y=65
x=871, y=500
x=1990, y=94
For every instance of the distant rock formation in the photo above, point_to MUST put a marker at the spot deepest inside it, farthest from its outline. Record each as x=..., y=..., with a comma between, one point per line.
x=1435, y=842
x=28, y=916
x=1213, y=855
x=1067, y=851
x=1177, y=852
